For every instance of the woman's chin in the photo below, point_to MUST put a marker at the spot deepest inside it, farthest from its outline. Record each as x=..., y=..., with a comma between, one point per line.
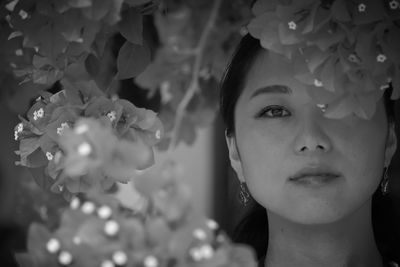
x=315, y=214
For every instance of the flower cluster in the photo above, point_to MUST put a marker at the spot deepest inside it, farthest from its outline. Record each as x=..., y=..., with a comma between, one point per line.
x=348, y=48
x=82, y=139
x=56, y=37
x=99, y=231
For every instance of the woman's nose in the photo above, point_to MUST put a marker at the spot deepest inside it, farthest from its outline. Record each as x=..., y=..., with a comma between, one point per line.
x=311, y=137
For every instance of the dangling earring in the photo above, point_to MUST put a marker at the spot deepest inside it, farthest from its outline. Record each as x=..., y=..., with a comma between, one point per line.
x=244, y=196
x=385, y=182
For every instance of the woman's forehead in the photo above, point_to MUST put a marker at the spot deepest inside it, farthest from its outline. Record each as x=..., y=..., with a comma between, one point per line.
x=271, y=71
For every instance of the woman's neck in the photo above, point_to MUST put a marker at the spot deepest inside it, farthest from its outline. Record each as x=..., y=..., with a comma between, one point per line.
x=348, y=242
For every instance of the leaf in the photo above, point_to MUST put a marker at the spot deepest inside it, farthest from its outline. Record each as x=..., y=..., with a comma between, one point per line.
x=27, y=146
x=80, y=3
x=132, y=60
x=367, y=104
x=243, y=255
x=262, y=6
x=24, y=260
x=97, y=10
x=131, y=25
x=52, y=43
x=341, y=108
x=135, y=3
x=41, y=179
x=326, y=38
x=374, y=11
x=316, y=58
x=92, y=64
x=328, y=75
x=396, y=84
x=258, y=24
x=113, y=15
x=288, y=36
x=339, y=11
x=39, y=61
x=38, y=236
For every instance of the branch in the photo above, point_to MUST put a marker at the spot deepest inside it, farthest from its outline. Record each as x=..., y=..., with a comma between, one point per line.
x=194, y=84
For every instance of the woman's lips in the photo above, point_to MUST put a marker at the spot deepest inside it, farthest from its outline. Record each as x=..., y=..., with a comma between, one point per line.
x=314, y=176
x=314, y=179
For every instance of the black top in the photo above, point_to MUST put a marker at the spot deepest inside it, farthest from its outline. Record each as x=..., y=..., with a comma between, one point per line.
x=386, y=263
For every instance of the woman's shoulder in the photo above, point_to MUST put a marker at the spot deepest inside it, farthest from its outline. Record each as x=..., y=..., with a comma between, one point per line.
x=392, y=264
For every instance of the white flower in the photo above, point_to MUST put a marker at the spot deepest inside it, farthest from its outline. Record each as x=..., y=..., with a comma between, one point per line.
x=19, y=52
x=84, y=149
x=317, y=83
x=207, y=251
x=53, y=245
x=213, y=225
x=165, y=90
x=381, y=58
x=65, y=258
x=88, y=207
x=292, y=25
x=77, y=240
x=20, y=127
x=107, y=263
x=150, y=261
x=394, y=4
x=362, y=7
x=104, y=212
x=22, y=13
x=322, y=107
x=74, y=204
x=81, y=128
x=111, y=228
x=112, y=115
x=158, y=134
x=49, y=156
x=352, y=58
x=120, y=258
x=63, y=126
x=200, y=234
x=202, y=253
x=37, y=114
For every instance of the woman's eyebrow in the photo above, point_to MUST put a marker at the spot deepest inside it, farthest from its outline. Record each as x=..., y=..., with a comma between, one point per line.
x=272, y=89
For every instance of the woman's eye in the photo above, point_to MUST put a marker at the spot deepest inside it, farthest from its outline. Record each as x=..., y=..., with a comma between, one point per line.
x=273, y=112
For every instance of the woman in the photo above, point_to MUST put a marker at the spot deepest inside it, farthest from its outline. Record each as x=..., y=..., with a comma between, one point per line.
x=315, y=179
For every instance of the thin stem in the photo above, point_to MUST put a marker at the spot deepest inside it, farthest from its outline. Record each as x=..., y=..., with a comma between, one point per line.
x=194, y=84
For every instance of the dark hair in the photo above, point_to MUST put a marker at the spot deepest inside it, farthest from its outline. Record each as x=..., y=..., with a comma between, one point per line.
x=253, y=229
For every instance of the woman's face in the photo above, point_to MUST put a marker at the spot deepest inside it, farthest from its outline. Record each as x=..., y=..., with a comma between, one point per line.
x=279, y=131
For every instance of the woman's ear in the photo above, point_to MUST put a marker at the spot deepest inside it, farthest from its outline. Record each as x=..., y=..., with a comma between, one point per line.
x=391, y=144
x=234, y=156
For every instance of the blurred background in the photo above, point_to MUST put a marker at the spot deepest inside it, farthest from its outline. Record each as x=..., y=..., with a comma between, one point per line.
x=202, y=152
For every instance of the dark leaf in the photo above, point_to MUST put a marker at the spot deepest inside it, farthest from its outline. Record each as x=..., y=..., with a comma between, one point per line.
x=135, y=3
x=24, y=260
x=131, y=26
x=80, y=3
x=92, y=65
x=114, y=12
x=38, y=236
x=339, y=11
x=97, y=10
x=132, y=60
x=41, y=179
